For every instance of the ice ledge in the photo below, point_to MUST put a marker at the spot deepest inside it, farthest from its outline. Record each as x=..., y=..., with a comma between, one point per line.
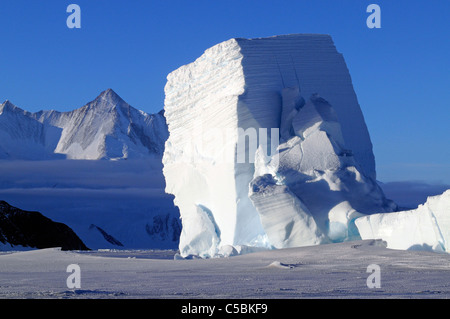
x=424, y=228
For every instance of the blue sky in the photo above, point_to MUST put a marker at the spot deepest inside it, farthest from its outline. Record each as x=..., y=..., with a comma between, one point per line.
x=400, y=72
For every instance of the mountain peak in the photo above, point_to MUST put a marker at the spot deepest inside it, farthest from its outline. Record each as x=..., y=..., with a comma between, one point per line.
x=8, y=106
x=104, y=128
x=110, y=96
x=109, y=101
x=8, y=103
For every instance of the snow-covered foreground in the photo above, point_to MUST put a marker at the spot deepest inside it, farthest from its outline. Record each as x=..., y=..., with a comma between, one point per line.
x=324, y=271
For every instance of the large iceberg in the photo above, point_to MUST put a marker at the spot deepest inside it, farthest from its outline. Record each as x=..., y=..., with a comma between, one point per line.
x=268, y=146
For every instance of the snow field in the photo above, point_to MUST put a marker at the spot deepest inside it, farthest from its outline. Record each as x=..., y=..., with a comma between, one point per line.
x=320, y=271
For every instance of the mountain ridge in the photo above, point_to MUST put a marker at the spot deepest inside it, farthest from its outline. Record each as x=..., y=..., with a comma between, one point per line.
x=105, y=128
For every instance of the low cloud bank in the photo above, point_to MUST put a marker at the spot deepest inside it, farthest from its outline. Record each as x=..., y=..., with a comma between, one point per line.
x=410, y=194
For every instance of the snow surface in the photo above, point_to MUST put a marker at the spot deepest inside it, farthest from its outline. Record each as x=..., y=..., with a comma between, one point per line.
x=322, y=173
x=321, y=271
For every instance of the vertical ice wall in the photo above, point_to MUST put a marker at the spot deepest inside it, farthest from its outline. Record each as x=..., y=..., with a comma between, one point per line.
x=200, y=105
x=311, y=62
x=217, y=102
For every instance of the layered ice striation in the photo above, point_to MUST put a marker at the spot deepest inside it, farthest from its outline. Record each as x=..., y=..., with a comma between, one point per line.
x=424, y=228
x=268, y=146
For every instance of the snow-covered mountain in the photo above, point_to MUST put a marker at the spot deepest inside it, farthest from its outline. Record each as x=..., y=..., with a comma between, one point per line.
x=22, y=136
x=106, y=128
x=64, y=164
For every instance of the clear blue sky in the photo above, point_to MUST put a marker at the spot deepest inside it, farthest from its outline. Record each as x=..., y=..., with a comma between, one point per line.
x=400, y=72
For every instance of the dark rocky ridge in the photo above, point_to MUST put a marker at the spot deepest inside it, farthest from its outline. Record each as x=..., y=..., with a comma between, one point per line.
x=32, y=229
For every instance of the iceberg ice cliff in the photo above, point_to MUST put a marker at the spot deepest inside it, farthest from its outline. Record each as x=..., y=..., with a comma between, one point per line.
x=424, y=228
x=268, y=146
